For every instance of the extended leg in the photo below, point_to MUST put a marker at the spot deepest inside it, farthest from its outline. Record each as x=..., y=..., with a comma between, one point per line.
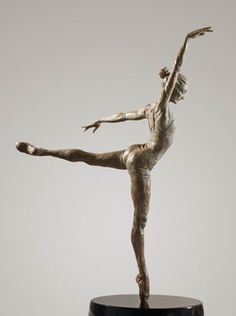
x=140, y=191
x=110, y=159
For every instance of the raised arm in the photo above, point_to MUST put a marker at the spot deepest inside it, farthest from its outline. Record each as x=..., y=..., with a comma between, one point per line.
x=119, y=117
x=170, y=84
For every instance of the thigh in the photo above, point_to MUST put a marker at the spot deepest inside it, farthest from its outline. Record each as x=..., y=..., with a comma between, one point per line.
x=111, y=159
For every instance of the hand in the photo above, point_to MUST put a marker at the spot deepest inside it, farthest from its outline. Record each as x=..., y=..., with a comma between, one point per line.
x=95, y=126
x=199, y=32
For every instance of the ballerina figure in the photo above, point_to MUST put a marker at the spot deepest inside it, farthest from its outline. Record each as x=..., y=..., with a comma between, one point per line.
x=138, y=159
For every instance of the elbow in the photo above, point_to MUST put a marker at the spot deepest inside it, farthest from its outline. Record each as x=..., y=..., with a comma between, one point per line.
x=121, y=116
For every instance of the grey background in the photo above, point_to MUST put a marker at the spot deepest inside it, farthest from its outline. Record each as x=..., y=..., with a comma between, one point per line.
x=65, y=228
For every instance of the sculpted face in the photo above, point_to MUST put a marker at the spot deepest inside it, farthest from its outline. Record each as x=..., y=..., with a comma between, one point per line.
x=180, y=86
x=177, y=95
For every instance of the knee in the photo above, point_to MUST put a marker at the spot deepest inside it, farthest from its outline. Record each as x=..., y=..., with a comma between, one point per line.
x=68, y=154
x=138, y=227
x=140, y=221
x=72, y=155
x=137, y=235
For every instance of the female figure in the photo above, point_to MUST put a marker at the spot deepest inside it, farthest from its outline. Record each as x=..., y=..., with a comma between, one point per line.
x=138, y=159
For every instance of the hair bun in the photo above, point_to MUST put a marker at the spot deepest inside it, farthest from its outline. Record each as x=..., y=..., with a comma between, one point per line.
x=164, y=72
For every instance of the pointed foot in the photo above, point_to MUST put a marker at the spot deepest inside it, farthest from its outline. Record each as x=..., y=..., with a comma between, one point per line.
x=143, y=283
x=27, y=149
x=144, y=303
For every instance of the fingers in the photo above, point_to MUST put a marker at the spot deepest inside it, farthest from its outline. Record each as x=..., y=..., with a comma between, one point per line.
x=200, y=32
x=85, y=128
x=208, y=29
x=95, y=126
x=197, y=33
x=204, y=29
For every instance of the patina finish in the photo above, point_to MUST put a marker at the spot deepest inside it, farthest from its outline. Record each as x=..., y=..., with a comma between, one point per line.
x=138, y=159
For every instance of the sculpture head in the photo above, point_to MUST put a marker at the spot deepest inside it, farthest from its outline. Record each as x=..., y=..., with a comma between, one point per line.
x=180, y=86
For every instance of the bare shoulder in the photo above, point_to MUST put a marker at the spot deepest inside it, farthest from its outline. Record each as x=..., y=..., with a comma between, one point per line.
x=144, y=110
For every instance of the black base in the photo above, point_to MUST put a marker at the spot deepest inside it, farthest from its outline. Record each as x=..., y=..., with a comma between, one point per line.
x=159, y=305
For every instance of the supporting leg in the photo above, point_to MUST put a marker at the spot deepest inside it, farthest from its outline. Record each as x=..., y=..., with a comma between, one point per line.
x=140, y=191
x=111, y=159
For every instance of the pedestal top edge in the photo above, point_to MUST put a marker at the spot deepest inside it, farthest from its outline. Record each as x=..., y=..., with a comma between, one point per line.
x=155, y=301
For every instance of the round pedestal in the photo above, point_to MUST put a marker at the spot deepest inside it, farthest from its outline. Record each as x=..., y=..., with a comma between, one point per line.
x=159, y=305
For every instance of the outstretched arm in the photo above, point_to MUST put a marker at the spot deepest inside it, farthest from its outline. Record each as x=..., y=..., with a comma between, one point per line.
x=119, y=117
x=170, y=84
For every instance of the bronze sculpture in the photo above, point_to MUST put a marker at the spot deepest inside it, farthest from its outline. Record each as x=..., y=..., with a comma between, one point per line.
x=138, y=159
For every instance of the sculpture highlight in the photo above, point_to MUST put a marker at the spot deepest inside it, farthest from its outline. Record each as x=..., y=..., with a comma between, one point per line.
x=138, y=159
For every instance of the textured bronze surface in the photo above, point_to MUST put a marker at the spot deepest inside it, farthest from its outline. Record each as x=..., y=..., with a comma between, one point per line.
x=138, y=159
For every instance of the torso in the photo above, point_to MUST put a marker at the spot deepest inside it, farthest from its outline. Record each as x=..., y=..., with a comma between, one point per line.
x=161, y=125
x=162, y=128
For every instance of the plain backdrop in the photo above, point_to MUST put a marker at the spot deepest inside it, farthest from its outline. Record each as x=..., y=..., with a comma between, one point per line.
x=65, y=227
